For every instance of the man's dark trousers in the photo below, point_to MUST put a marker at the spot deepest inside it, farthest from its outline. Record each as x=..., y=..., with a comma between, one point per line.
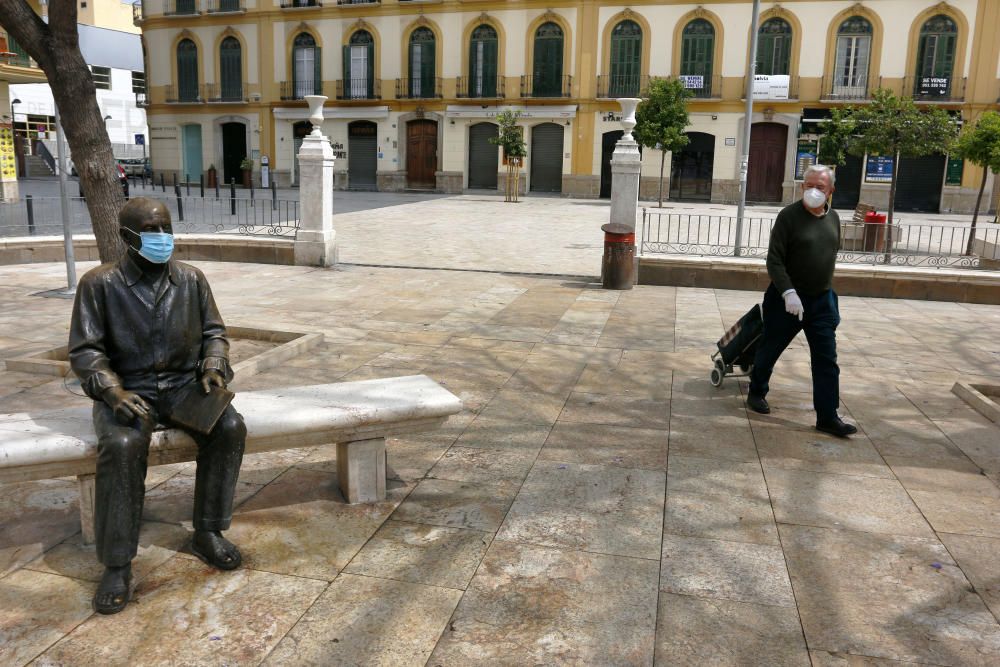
x=819, y=321
x=122, y=453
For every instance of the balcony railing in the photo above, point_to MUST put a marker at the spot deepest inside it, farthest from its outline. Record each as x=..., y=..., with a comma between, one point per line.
x=297, y=90
x=702, y=87
x=480, y=87
x=292, y=4
x=141, y=100
x=359, y=2
x=359, y=89
x=223, y=6
x=623, y=85
x=546, y=86
x=418, y=89
x=771, y=92
x=137, y=12
x=227, y=92
x=180, y=7
x=934, y=89
x=184, y=94
x=11, y=52
x=835, y=89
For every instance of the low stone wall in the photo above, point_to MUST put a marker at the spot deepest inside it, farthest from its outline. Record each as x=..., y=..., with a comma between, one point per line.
x=188, y=247
x=963, y=286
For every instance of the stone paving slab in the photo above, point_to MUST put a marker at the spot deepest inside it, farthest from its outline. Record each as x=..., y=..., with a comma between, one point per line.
x=597, y=501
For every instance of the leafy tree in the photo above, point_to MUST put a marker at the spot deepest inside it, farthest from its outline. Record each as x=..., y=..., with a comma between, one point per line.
x=511, y=139
x=661, y=119
x=55, y=47
x=980, y=144
x=890, y=126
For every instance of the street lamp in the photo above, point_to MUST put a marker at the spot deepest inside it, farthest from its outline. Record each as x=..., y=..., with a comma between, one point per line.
x=18, y=149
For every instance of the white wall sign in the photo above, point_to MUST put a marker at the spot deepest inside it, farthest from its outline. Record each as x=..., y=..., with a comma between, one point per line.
x=770, y=86
x=692, y=80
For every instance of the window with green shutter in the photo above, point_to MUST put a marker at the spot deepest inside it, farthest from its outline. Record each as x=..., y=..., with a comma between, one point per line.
x=626, y=60
x=422, y=63
x=936, y=57
x=774, y=47
x=305, y=65
x=483, y=49
x=697, y=50
x=359, y=66
x=231, y=69
x=547, y=72
x=187, y=71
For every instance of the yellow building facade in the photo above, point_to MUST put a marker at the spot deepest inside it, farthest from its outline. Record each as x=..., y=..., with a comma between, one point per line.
x=414, y=87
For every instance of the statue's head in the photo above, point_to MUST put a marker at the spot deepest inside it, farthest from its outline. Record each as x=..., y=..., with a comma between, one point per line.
x=145, y=226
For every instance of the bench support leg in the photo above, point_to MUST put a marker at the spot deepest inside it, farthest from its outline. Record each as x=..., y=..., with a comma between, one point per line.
x=361, y=470
x=86, y=484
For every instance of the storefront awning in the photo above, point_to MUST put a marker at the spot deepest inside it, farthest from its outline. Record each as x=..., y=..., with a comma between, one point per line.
x=331, y=113
x=541, y=111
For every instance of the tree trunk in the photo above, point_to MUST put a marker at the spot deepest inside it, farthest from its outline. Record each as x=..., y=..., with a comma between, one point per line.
x=892, y=205
x=975, y=213
x=663, y=161
x=56, y=49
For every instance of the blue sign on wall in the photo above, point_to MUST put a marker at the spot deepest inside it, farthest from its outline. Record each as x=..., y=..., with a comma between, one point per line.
x=879, y=169
x=140, y=140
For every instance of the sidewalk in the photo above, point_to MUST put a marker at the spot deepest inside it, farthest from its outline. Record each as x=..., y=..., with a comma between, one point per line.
x=597, y=502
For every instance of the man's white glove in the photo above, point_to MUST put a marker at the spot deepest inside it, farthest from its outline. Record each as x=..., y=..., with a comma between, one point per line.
x=793, y=304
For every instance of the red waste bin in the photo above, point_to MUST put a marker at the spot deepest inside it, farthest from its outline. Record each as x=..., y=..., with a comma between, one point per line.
x=874, y=232
x=619, y=256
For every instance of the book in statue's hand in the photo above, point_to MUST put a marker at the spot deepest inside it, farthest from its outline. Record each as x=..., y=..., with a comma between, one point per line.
x=195, y=410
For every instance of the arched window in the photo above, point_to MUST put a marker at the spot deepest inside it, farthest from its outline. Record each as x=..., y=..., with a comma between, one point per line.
x=547, y=73
x=423, y=66
x=697, y=50
x=359, y=66
x=626, y=60
x=854, y=46
x=483, y=48
x=307, y=75
x=936, y=57
x=774, y=47
x=231, y=69
x=187, y=71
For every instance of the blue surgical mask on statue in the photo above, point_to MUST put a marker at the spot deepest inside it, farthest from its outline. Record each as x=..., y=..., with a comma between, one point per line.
x=157, y=247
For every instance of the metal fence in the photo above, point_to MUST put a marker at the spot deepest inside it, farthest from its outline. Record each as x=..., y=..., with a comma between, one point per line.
x=42, y=216
x=940, y=245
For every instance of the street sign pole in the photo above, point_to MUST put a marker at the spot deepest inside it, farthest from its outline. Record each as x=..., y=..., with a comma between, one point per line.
x=64, y=200
x=747, y=126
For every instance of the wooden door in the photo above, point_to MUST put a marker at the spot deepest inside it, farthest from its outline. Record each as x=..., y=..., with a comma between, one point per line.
x=421, y=154
x=768, y=145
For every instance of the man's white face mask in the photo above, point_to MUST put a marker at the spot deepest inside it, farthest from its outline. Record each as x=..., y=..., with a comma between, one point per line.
x=814, y=197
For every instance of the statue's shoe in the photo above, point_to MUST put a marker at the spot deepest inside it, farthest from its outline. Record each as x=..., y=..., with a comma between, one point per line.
x=220, y=553
x=114, y=592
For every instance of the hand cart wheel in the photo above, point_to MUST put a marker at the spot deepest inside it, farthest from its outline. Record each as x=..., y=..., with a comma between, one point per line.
x=718, y=373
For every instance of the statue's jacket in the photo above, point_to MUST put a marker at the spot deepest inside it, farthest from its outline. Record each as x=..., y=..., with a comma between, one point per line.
x=149, y=342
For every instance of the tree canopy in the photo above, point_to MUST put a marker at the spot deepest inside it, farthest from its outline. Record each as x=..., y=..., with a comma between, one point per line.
x=661, y=119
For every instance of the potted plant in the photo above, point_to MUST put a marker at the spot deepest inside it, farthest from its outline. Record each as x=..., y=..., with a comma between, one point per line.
x=212, y=176
x=247, y=167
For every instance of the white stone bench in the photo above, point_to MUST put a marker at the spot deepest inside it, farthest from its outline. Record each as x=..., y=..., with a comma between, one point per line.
x=357, y=416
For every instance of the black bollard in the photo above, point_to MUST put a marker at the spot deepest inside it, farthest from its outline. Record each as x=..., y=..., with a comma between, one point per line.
x=31, y=214
x=251, y=190
x=180, y=202
x=274, y=196
x=187, y=183
x=163, y=185
x=232, y=196
x=175, y=179
x=201, y=184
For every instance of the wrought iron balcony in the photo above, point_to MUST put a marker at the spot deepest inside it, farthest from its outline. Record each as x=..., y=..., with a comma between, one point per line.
x=137, y=12
x=297, y=90
x=837, y=89
x=227, y=92
x=293, y=4
x=480, y=87
x=11, y=53
x=546, y=86
x=223, y=6
x=361, y=88
x=702, y=87
x=621, y=85
x=180, y=7
x=186, y=94
x=934, y=89
x=141, y=100
x=418, y=89
x=359, y=2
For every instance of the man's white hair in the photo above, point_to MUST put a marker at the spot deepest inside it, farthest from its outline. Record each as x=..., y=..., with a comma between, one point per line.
x=820, y=169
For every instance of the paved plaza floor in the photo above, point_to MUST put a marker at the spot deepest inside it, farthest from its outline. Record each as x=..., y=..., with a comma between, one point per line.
x=597, y=502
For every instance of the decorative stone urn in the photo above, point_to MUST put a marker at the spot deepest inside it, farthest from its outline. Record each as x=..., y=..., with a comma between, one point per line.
x=316, y=113
x=628, y=105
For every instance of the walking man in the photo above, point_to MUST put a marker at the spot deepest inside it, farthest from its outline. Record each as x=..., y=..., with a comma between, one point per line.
x=800, y=260
x=145, y=333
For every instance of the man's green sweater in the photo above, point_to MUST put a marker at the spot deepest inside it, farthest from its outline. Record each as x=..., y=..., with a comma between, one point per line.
x=803, y=250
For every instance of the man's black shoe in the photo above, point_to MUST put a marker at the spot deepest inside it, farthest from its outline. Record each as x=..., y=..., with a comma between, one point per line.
x=758, y=404
x=837, y=427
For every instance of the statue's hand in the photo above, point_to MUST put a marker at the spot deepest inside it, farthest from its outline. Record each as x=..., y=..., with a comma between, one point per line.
x=126, y=405
x=212, y=377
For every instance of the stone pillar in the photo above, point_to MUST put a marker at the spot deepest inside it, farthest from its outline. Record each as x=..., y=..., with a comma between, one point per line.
x=625, y=165
x=315, y=242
